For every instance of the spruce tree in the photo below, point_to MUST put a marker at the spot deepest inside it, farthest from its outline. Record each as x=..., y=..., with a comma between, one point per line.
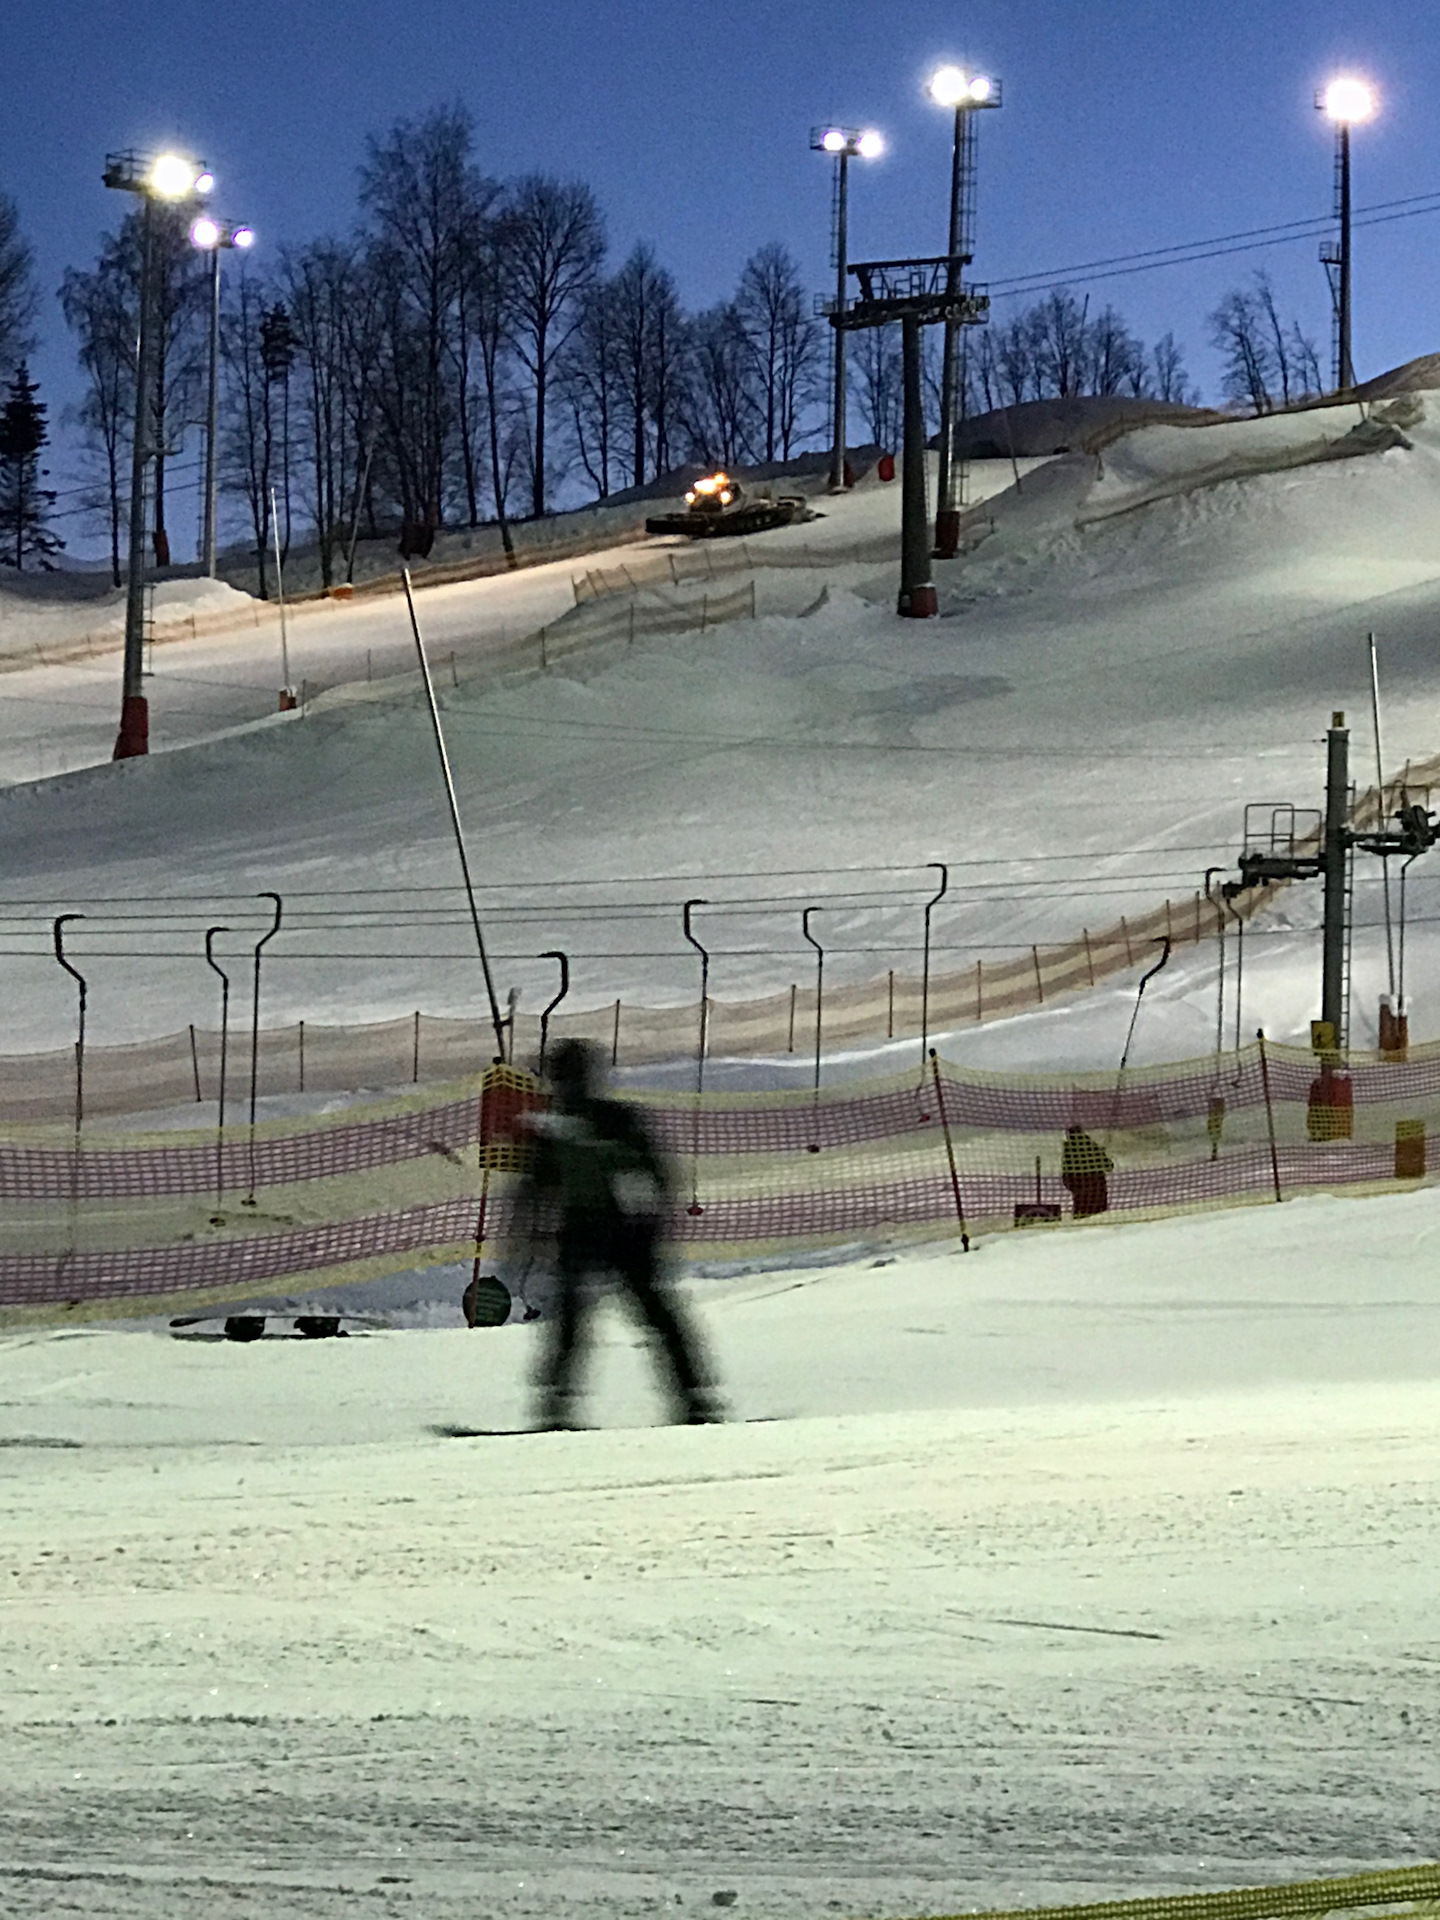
x=24, y=504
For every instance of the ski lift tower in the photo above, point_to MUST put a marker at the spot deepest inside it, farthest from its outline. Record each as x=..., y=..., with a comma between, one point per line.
x=917, y=293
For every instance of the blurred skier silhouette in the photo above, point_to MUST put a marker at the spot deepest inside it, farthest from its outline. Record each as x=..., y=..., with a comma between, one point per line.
x=593, y=1202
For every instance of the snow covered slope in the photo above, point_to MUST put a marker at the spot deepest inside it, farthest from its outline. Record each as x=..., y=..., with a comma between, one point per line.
x=1096, y=1565
x=1115, y=674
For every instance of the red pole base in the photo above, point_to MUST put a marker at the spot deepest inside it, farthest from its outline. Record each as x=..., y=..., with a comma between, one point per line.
x=947, y=533
x=917, y=603
x=133, y=738
x=288, y=702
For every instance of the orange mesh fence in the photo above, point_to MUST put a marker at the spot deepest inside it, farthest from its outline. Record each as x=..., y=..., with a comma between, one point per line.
x=114, y=1221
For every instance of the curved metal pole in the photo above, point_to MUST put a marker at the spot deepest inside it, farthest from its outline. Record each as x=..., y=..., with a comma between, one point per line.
x=564, y=959
x=930, y=906
x=255, y=1034
x=1145, y=980
x=819, y=986
x=58, y=930
x=214, y=965
x=495, y=1015
x=685, y=914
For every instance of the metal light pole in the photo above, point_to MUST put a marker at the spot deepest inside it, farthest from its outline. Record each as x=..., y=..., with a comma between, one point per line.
x=167, y=177
x=967, y=94
x=212, y=236
x=846, y=144
x=1347, y=102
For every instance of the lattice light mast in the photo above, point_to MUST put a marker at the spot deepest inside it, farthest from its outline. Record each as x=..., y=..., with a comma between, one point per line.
x=1347, y=102
x=844, y=144
x=968, y=94
x=165, y=177
x=212, y=237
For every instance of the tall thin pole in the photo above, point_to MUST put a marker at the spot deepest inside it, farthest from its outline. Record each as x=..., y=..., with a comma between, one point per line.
x=133, y=738
x=280, y=591
x=1347, y=365
x=495, y=1015
x=212, y=416
x=1335, y=856
x=1380, y=794
x=946, y=537
x=917, y=593
x=842, y=243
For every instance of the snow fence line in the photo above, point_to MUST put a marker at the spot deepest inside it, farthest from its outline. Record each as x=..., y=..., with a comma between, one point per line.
x=712, y=560
x=1351, y=1894
x=421, y=1048
x=94, y=1223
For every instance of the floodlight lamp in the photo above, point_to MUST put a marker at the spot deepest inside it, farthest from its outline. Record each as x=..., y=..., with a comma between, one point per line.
x=981, y=89
x=243, y=237
x=172, y=177
x=204, y=182
x=204, y=232
x=949, y=87
x=870, y=145
x=1348, y=101
x=833, y=140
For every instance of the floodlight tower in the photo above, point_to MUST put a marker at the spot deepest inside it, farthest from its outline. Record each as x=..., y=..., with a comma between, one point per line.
x=845, y=144
x=212, y=236
x=166, y=177
x=1347, y=102
x=968, y=94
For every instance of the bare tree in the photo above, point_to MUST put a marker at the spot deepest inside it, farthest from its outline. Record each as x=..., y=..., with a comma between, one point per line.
x=590, y=375
x=1168, y=378
x=1245, y=331
x=19, y=296
x=554, y=242
x=100, y=309
x=487, y=310
x=784, y=345
x=320, y=284
x=879, y=385
x=718, y=409
x=248, y=444
x=422, y=195
x=648, y=329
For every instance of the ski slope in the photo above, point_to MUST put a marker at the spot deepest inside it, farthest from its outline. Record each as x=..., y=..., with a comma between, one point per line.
x=1091, y=1565
x=1140, y=642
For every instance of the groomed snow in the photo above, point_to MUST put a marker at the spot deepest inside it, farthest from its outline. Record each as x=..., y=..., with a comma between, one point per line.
x=1093, y=1564
x=1076, y=737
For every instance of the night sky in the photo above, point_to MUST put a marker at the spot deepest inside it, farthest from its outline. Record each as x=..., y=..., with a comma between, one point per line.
x=1124, y=127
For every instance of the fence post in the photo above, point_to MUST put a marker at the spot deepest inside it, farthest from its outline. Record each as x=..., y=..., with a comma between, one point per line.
x=615, y=1039
x=1197, y=918
x=1269, y=1110
x=790, y=1047
x=1039, y=982
x=979, y=992
x=195, y=1063
x=1168, y=933
x=544, y=663
x=890, y=1016
x=1129, y=956
x=416, y=1080
x=302, y=1056
x=1089, y=957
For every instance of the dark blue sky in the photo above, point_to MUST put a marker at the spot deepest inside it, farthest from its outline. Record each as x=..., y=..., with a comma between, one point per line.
x=1127, y=126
